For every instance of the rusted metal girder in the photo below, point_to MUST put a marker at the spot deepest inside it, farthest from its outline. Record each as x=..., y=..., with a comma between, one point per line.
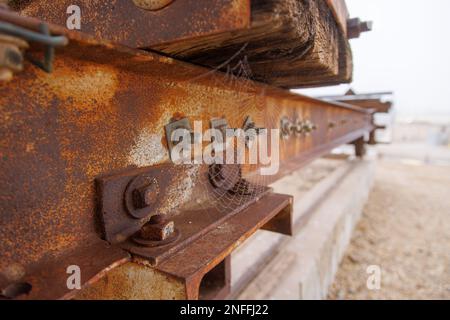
x=133, y=23
x=99, y=117
x=377, y=102
x=355, y=27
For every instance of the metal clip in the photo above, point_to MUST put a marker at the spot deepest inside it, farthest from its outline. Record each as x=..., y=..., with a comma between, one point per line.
x=44, y=37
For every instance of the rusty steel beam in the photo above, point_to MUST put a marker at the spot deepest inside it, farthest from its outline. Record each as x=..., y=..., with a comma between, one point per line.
x=136, y=25
x=102, y=114
x=377, y=105
x=375, y=102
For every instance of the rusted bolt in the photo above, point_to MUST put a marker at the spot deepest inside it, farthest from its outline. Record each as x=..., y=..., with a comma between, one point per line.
x=141, y=196
x=309, y=127
x=152, y=5
x=243, y=188
x=248, y=124
x=285, y=127
x=16, y=290
x=250, y=136
x=11, y=60
x=355, y=27
x=157, y=229
x=251, y=131
x=224, y=177
x=298, y=127
x=145, y=196
x=11, y=56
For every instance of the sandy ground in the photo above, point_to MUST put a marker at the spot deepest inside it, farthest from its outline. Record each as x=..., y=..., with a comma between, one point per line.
x=405, y=230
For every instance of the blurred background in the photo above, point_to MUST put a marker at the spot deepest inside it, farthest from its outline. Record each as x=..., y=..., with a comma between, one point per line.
x=407, y=52
x=406, y=223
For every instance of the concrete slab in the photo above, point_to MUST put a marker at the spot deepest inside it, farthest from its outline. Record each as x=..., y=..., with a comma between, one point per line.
x=328, y=203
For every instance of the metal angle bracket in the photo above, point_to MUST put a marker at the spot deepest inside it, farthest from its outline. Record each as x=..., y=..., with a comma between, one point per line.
x=193, y=263
x=128, y=201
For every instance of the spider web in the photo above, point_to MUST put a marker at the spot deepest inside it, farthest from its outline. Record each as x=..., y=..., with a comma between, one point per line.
x=235, y=187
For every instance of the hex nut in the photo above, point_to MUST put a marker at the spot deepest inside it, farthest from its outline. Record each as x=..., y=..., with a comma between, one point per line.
x=152, y=5
x=157, y=232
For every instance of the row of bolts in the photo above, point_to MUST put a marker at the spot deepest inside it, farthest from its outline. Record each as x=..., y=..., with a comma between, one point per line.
x=297, y=127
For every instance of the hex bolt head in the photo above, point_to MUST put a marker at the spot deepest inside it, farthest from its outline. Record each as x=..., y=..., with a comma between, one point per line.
x=298, y=127
x=285, y=127
x=13, y=59
x=308, y=127
x=146, y=195
x=355, y=27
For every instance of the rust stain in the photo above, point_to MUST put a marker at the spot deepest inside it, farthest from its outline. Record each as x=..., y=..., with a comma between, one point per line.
x=134, y=281
x=87, y=88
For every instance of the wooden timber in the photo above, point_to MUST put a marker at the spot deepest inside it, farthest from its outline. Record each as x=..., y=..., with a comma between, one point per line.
x=284, y=43
x=290, y=43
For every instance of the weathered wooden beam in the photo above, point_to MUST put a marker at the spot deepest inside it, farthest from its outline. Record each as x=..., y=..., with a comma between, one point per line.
x=341, y=14
x=289, y=44
x=285, y=43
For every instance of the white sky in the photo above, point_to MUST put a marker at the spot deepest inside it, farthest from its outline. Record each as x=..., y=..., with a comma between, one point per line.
x=407, y=52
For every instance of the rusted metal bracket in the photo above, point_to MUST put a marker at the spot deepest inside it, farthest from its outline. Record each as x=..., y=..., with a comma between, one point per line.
x=272, y=212
x=204, y=235
x=121, y=215
x=355, y=27
x=375, y=103
x=360, y=147
x=11, y=56
x=123, y=219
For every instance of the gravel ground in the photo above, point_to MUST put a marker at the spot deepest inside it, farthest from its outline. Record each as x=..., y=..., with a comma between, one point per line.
x=405, y=230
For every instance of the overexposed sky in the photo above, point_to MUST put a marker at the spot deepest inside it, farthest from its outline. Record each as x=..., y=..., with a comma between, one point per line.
x=407, y=52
